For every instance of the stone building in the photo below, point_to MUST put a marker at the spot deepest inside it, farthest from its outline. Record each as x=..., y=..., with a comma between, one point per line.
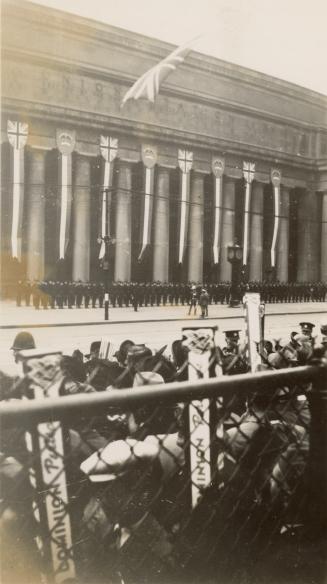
x=223, y=153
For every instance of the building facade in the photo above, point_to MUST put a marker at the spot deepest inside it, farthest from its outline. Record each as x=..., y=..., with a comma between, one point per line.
x=223, y=153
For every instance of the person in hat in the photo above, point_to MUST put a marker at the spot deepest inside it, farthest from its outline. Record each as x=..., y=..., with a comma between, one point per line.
x=193, y=301
x=94, y=350
x=232, y=342
x=204, y=302
x=132, y=475
x=23, y=340
x=306, y=329
x=92, y=356
x=121, y=354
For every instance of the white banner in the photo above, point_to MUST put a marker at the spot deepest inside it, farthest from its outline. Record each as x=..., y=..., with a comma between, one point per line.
x=276, y=226
x=17, y=136
x=253, y=328
x=216, y=237
x=200, y=343
x=45, y=378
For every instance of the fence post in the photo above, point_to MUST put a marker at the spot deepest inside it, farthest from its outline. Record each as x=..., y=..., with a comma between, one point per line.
x=317, y=464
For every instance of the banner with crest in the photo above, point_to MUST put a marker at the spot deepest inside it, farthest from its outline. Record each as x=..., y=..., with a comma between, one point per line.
x=149, y=157
x=108, y=149
x=17, y=136
x=65, y=144
x=185, y=162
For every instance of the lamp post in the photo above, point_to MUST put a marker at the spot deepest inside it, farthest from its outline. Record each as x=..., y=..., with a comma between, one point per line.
x=105, y=264
x=234, y=256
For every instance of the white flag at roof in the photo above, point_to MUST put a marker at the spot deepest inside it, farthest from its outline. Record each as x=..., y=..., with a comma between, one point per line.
x=149, y=84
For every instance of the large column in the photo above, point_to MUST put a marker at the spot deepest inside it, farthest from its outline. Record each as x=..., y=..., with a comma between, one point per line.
x=35, y=217
x=161, y=227
x=323, y=269
x=308, y=238
x=81, y=214
x=195, y=255
x=227, y=227
x=283, y=236
x=123, y=223
x=256, y=232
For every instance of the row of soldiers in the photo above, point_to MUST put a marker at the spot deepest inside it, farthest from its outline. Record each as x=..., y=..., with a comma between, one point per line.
x=51, y=294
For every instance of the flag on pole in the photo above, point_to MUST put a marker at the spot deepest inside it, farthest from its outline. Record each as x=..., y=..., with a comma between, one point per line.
x=149, y=84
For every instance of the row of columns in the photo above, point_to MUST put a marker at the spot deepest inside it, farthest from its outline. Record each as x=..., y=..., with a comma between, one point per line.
x=308, y=245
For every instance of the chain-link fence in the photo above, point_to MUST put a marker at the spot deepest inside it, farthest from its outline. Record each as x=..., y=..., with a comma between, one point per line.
x=203, y=480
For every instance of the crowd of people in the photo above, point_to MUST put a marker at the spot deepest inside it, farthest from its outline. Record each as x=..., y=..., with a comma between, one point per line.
x=133, y=515
x=51, y=294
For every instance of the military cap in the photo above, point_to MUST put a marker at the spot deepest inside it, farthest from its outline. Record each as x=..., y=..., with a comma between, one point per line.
x=23, y=340
x=323, y=329
x=234, y=335
x=307, y=326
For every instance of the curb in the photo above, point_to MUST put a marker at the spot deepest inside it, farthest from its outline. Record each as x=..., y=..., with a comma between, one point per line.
x=113, y=322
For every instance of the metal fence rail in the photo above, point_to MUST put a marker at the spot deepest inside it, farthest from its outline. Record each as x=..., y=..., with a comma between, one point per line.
x=169, y=483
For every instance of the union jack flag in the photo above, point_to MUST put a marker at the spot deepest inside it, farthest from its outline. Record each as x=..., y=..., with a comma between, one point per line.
x=149, y=84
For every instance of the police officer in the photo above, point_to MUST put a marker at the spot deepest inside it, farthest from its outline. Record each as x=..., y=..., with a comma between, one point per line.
x=19, y=293
x=306, y=329
x=204, y=301
x=232, y=339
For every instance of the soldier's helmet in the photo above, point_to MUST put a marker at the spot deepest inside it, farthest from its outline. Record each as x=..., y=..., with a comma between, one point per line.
x=23, y=340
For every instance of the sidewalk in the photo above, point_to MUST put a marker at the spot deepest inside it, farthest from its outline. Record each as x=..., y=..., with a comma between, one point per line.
x=12, y=316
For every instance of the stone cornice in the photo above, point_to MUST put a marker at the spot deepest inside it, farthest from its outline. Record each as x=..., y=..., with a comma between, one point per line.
x=101, y=74
x=143, y=131
x=88, y=29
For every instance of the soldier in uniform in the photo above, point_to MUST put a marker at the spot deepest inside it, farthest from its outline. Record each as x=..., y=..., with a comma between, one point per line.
x=204, y=301
x=71, y=294
x=44, y=294
x=193, y=301
x=306, y=330
x=164, y=293
x=87, y=294
x=27, y=292
x=135, y=294
x=36, y=294
x=79, y=293
x=19, y=293
x=113, y=294
x=120, y=294
x=233, y=364
x=100, y=293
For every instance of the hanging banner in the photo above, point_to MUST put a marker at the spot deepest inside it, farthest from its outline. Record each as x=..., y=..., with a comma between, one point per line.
x=253, y=328
x=276, y=180
x=17, y=136
x=149, y=157
x=200, y=343
x=248, y=173
x=108, y=149
x=185, y=162
x=48, y=474
x=65, y=144
x=218, y=167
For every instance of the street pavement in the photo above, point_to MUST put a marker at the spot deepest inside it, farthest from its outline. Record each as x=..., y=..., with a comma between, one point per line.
x=67, y=330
